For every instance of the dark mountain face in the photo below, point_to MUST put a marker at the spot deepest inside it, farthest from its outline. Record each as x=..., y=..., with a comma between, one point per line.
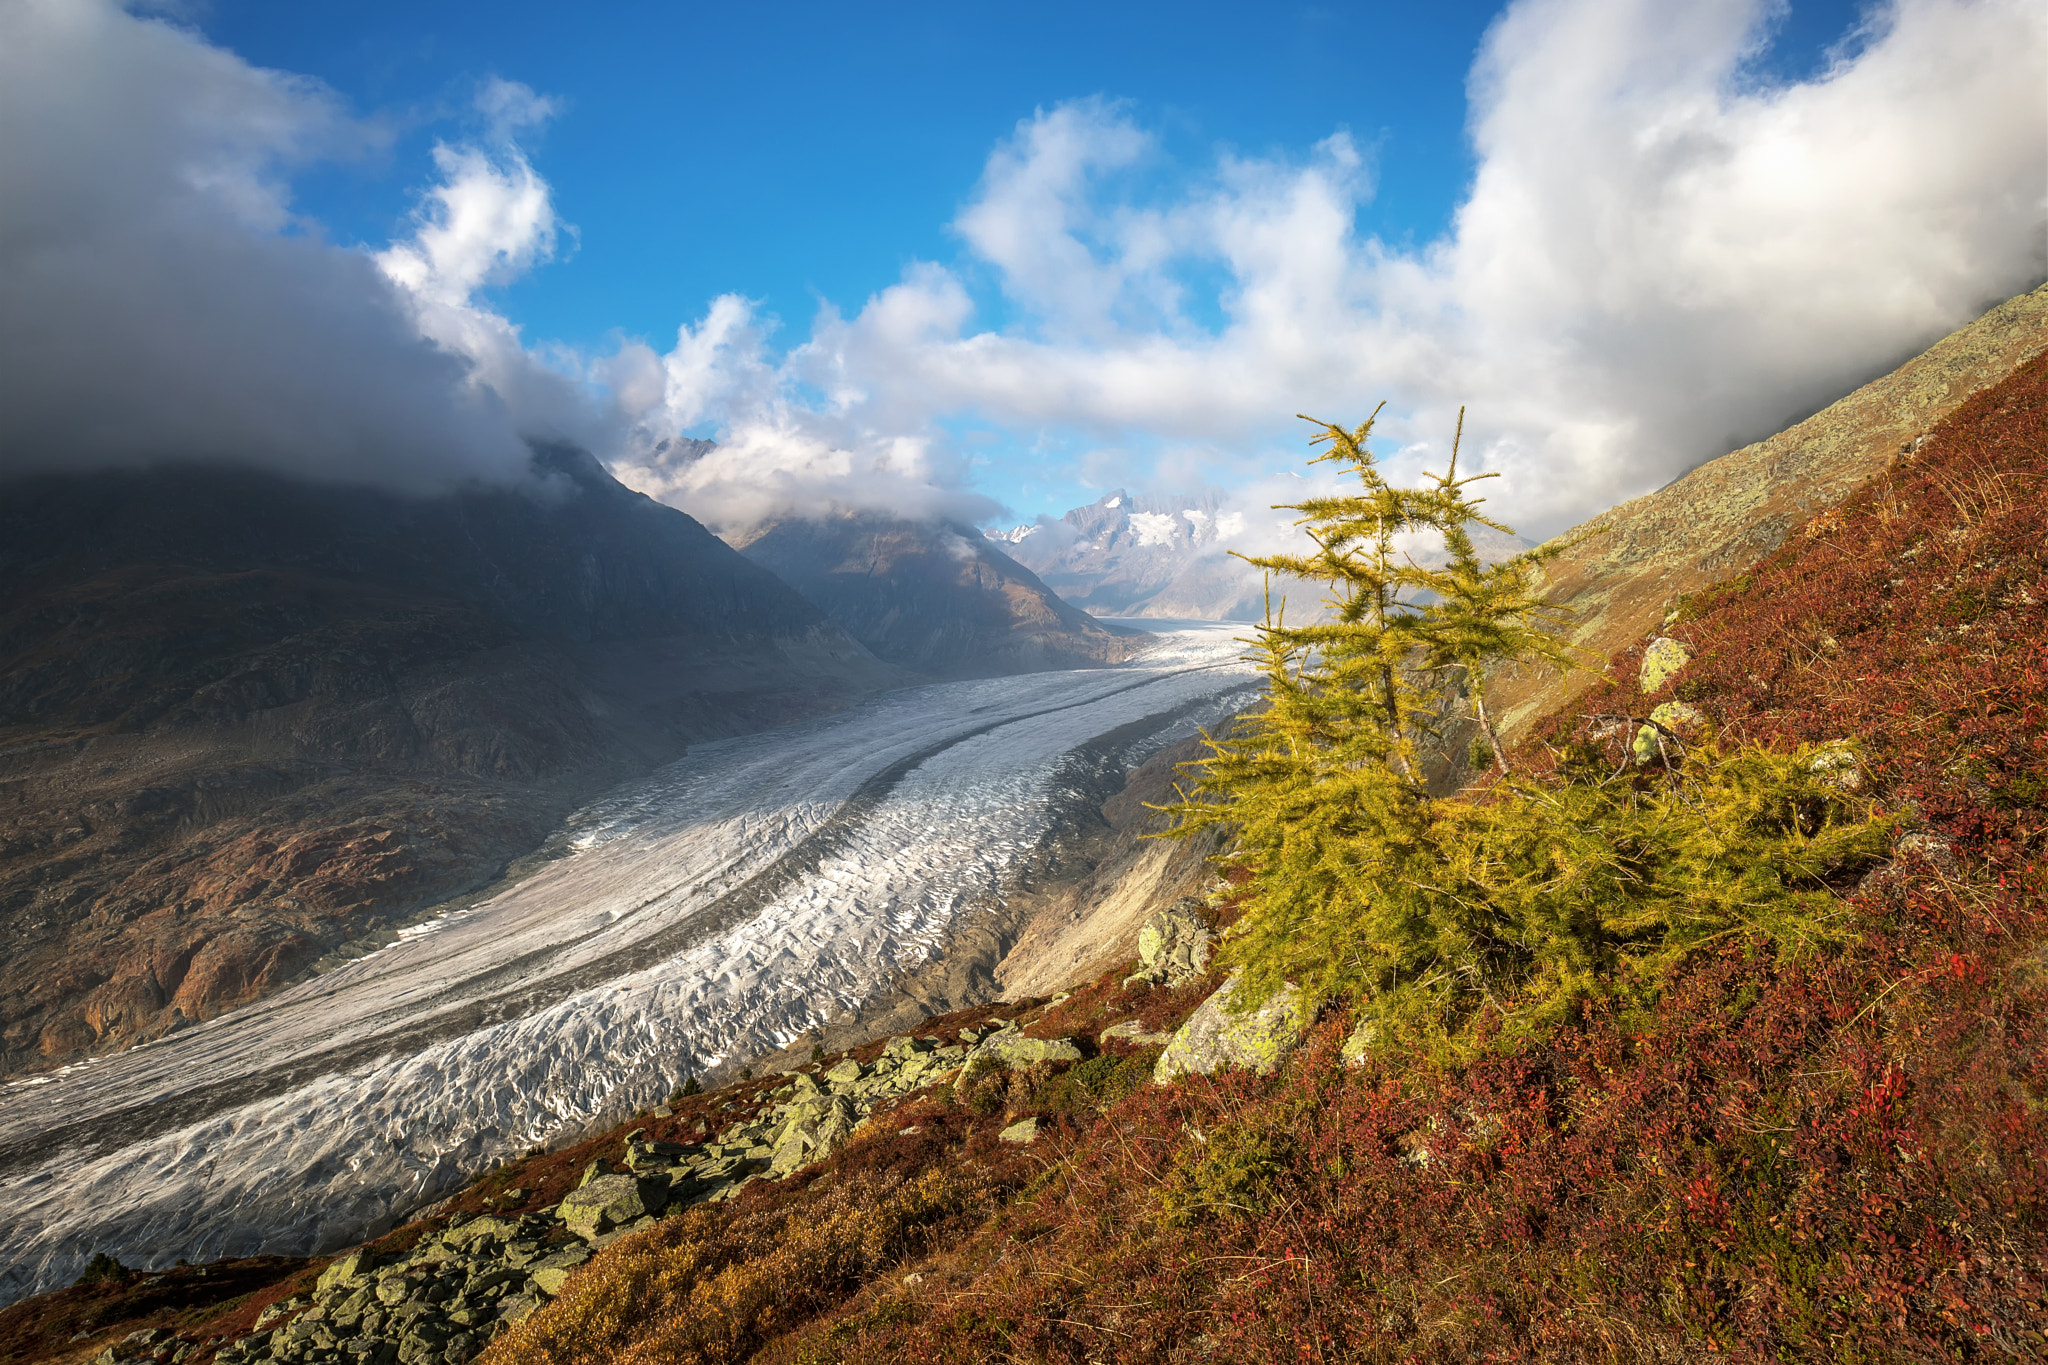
x=245, y=721
x=933, y=596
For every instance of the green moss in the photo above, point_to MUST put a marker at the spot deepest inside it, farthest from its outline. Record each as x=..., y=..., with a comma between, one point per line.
x=1228, y=1173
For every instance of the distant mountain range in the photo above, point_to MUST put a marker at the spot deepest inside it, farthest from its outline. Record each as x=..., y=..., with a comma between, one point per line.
x=1130, y=555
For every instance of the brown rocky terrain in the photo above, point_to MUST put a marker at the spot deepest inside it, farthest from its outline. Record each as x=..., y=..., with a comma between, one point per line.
x=1631, y=565
x=247, y=723
x=933, y=596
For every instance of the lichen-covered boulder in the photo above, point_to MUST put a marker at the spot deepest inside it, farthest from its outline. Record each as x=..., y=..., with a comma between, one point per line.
x=1682, y=719
x=652, y=1156
x=810, y=1131
x=354, y=1266
x=1662, y=658
x=1022, y=1131
x=486, y=1228
x=611, y=1201
x=1174, y=945
x=1134, y=1031
x=1359, y=1042
x=1214, y=1037
x=903, y=1048
x=1009, y=1048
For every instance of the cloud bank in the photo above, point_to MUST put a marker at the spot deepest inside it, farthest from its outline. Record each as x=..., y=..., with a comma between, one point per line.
x=159, y=300
x=1662, y=253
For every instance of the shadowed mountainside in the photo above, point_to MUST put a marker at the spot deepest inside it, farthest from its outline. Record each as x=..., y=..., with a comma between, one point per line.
x=933, y=596
x=246, y=721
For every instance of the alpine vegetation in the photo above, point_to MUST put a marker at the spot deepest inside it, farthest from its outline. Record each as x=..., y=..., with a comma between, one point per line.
x=1527, y=894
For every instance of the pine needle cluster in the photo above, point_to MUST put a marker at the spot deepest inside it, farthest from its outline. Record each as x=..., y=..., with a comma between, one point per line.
x=1515, y=903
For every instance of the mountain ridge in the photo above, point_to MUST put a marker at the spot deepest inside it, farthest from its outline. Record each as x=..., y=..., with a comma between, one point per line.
x=245, y=720
x=932, y=595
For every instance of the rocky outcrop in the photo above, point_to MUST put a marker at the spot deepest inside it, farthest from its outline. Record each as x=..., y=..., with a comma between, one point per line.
x=446, y=1298
x=1215, y=1037
x=933, y=596
x=1174, y=946
x=247, y=722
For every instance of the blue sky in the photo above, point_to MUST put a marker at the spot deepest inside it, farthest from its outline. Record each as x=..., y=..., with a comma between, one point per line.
x=987, y=262
x=795, y=151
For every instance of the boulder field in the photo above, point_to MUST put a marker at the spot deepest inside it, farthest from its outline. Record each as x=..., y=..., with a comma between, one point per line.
x=443, y=1299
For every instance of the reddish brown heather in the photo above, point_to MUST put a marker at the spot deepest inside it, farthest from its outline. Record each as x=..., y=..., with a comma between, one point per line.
x=1635, y=560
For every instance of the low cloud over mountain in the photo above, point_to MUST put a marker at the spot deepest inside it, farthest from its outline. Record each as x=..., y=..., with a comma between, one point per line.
x=1663, y=251
x=159, y=299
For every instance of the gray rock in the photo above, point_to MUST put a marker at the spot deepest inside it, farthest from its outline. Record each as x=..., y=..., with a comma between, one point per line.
x=550, y=1279
x=479, y=1230
x=1663, y=657
x=1175, y=945
x=810, y=1132
x=1023, y=1130
x=903, y=1048
x=356, y=1265
x=1682, y=719
x=1840, y=764
x=611, y=1200
x=1213, y=1037
x=1358, y=1043
x=652, y=1156
x=1931, y=848
x=845, y=1074
x=1011, y=1049
x=1131, y=1031
x=522, y=1252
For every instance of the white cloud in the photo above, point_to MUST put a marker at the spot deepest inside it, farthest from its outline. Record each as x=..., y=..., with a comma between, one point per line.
x=487, y=221
x=159, y=299
x=1661, y=254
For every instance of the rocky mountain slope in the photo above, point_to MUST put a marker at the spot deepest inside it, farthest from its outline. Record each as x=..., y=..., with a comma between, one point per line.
x=245, y=722
x=1632, y=565
x=932, y=596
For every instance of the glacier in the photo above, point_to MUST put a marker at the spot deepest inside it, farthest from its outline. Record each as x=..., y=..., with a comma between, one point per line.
x=701, y=917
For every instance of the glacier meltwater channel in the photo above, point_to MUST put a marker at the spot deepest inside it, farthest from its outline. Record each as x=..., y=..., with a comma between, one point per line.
x=712, y=912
